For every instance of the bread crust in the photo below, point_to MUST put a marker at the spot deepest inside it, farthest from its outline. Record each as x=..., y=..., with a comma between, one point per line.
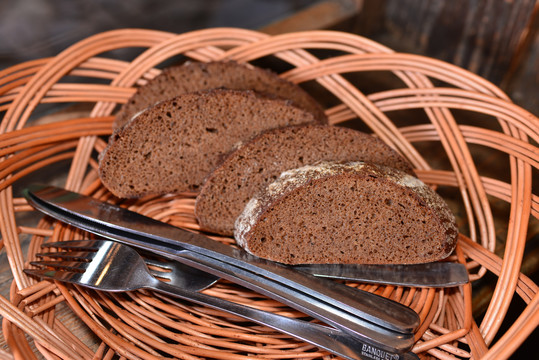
x=198, y=76
x=347, y=213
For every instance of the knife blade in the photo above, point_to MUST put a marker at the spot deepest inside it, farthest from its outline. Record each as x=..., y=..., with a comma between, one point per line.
x=369, y=317
x=436, y=274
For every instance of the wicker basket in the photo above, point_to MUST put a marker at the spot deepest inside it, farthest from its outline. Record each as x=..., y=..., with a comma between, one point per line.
x=461, y=133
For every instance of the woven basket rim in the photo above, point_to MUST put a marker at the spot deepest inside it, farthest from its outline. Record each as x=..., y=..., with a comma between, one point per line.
x=448, y=329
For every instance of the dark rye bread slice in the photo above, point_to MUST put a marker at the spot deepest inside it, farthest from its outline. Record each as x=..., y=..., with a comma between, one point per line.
x=347, y=213
x=174, y=145
x=256, y=163
x=196, y=76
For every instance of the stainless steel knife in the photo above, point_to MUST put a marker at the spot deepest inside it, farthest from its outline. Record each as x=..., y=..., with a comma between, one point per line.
x=436, y=274
x=371, y=318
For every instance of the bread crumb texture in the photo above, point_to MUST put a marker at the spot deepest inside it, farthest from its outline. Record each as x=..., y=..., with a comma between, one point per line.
x=172, y=146
x=255, y=164
x=356, y=212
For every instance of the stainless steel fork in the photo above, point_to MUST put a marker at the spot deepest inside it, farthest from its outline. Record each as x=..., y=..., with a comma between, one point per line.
x=111, y=266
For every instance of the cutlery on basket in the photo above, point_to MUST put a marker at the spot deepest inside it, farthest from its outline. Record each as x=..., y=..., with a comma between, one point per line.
x=111, y=266
x=366, y=316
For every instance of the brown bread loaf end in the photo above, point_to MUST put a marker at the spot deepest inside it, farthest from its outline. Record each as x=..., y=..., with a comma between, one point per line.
x=260, y=161
x=347, y=213
x=197, y=76
x=172, y=146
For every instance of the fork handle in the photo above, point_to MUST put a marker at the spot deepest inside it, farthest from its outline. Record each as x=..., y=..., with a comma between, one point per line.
x=330, y=339
x=359, y=328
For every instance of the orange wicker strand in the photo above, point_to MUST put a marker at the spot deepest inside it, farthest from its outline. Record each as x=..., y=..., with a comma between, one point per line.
x=43, y=334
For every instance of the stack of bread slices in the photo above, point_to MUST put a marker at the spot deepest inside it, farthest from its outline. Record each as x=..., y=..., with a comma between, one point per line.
x=269, y=170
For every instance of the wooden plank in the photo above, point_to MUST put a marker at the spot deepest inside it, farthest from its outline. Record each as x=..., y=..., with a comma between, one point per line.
x=322, y=15
x=495, y=39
